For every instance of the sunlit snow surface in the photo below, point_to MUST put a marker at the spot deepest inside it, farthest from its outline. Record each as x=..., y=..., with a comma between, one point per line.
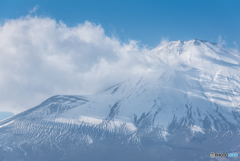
x=193, y=90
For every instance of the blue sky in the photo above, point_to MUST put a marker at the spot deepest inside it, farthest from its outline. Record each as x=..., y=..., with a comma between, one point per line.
x=145, y=21
x=23, y=41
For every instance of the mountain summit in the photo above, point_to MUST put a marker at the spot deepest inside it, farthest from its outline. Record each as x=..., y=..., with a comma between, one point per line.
x=184, y=108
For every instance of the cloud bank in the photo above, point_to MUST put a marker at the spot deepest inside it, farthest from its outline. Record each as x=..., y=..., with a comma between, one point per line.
x=41, y=58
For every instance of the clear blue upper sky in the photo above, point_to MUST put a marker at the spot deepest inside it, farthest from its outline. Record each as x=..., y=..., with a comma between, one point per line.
x=148, y=21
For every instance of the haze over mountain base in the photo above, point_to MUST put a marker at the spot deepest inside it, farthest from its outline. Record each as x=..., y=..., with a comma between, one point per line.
x=184, y=109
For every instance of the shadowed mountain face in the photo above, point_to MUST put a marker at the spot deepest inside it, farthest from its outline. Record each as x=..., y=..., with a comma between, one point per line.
x=183, y=109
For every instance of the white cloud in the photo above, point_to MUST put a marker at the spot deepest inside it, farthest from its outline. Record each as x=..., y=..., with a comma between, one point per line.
x=41, y=58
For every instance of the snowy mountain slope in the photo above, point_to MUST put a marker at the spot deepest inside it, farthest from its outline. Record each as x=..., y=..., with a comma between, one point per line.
x=189, y=100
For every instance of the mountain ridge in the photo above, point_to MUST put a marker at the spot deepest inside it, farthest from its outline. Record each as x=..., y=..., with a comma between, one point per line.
x=188, y=100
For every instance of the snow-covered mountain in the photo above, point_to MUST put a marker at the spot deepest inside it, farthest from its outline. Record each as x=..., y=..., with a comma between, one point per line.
x=183, y=109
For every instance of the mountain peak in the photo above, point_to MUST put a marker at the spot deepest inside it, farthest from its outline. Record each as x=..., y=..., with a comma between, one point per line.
x=195, y=42
x=195, y=53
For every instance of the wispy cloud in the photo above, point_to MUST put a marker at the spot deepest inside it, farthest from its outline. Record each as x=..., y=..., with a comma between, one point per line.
x=221, y=41
x=236, y=45
x=34, y=9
